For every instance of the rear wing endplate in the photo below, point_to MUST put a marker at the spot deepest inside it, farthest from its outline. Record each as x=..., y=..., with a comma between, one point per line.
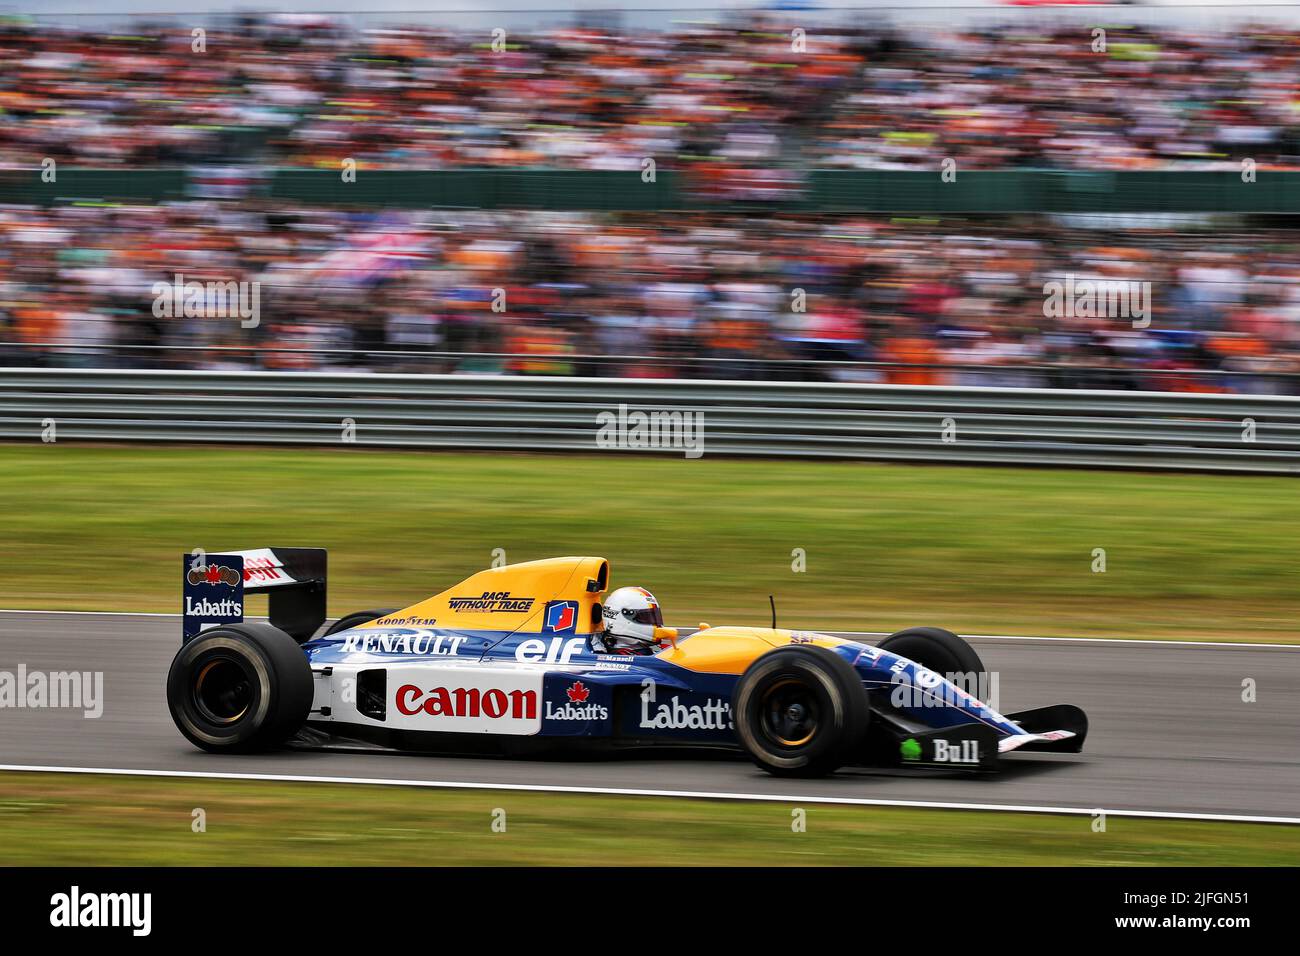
x=216, y=583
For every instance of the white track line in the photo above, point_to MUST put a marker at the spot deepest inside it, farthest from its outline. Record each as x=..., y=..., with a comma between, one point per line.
x=632, y=792
x=974, y=637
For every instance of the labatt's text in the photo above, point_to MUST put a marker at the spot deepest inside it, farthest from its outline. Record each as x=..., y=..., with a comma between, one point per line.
x=205, y=608
x=711, y=715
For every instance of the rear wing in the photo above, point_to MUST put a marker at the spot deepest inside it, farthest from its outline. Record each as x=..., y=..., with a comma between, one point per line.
x=216, y=584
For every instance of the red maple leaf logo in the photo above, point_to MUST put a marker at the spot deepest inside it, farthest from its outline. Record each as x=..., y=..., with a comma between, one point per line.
x=578, y=693
x=214, y=574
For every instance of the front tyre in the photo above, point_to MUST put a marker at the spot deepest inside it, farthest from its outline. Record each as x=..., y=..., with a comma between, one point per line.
x=240, y=688
x=936, y=649
x=801, y=711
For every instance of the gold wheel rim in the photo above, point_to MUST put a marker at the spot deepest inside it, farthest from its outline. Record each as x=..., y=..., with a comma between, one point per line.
x=198, y=688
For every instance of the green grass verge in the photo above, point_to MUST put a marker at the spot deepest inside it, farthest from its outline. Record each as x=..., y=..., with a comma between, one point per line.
x=79, y=820
x=977, y=550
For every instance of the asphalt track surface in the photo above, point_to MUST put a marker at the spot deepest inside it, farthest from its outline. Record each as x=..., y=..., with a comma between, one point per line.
x=1169, y=730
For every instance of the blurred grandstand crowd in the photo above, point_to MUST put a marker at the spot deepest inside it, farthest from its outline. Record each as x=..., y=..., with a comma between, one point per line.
x=308, y=92
x=715, y=294
x=676, y=295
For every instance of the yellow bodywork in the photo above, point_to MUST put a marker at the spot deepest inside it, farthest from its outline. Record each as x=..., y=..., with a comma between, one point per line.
x=729, y=650
x=512, y=598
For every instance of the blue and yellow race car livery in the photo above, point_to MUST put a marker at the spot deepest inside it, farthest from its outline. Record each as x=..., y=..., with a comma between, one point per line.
x=511, y=660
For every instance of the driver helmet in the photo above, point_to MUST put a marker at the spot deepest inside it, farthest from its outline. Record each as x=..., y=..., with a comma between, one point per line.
x=632, y=616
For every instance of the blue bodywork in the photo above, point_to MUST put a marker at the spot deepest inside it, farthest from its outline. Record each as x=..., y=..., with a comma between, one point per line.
x=669, y=701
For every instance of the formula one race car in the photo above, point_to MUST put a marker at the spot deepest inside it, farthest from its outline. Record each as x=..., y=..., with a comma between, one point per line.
x=510, y=660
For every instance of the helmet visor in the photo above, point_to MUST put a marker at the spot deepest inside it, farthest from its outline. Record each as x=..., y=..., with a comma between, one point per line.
x=649, y=615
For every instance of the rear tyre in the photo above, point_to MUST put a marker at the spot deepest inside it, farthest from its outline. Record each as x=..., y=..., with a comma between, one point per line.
x=356, y=618
x=240, y=688
x=932, y=647
x=801, y=711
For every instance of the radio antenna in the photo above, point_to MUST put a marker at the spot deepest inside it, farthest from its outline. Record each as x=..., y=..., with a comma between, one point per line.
x=772, y=601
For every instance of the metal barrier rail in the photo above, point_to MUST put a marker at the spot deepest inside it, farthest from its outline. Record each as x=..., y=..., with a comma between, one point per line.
x=434, y=361
x=922, y=423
